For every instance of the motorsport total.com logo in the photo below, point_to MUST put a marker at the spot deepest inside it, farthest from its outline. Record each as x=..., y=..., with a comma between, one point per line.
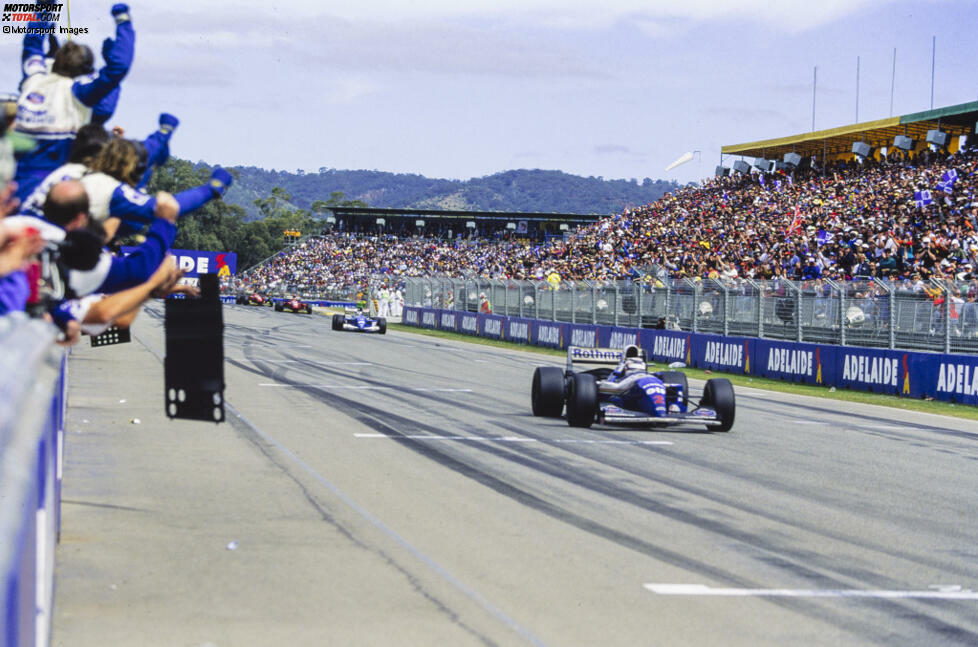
x=47, y=12
x=23, y=14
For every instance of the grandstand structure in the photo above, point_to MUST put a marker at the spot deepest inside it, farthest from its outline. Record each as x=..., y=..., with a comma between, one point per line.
x=439, y=222
x=837, y=143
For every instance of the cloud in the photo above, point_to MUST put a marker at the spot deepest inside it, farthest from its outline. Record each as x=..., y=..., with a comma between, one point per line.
x=450, y=46
x=184, y=73
x=790, y=15
x=349, y=90
x=613, y=149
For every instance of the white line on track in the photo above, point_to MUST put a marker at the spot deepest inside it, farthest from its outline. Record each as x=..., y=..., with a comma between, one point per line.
x=513, y=439
x=938, y=592
x=806, y=422
x=298, y=361
x=364, y=387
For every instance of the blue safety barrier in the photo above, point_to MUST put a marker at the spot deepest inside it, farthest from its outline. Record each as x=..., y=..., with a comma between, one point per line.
x=952, y=378
x=32, y=411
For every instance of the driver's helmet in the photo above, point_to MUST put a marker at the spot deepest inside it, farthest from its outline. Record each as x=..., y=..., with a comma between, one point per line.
x=633, y=364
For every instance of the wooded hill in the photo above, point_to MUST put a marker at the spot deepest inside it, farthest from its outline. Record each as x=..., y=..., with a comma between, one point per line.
x=520, y=190
x=261, y=204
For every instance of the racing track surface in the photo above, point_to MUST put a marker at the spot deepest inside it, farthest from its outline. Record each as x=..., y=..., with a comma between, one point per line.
x=395, y=490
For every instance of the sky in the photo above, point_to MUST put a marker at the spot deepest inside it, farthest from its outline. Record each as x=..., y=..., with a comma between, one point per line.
x=448, y=89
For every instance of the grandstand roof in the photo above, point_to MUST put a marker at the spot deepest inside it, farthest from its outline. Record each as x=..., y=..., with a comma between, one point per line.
x=447, y=214
x=954, y=120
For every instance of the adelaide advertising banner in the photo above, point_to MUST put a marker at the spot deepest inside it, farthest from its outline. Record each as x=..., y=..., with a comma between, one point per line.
x=195, y=262
x=940, y=376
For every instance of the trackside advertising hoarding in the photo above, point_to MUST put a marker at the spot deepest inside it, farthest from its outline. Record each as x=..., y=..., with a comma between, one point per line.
x=196, y=262
x=952, y=378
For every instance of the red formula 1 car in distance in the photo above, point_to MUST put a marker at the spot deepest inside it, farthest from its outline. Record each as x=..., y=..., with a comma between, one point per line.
x=293, y=305
x=253, y=299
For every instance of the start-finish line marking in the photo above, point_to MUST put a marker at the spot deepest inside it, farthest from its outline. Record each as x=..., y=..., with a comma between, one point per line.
x=513, y=439
x=938, y=592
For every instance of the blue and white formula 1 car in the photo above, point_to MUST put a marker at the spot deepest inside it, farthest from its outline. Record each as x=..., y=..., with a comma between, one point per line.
x=615, y=387
x=356, y=321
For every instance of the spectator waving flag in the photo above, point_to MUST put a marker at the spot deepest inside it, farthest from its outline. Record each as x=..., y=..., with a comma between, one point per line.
x=824, y=237
x=777, y=185
x=796, y=223
x=947, y=181
x=922, y=198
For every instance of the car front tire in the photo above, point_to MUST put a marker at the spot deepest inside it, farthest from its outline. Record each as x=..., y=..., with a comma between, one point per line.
x=547, y=392
x=719, y=396
x=582, y=400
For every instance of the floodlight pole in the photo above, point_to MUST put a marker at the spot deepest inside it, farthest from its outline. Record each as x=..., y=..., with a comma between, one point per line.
x=814, y=85
x=933, y=59
x=892, y=81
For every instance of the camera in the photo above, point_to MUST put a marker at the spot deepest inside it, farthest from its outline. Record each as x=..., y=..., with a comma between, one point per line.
x=50, y=274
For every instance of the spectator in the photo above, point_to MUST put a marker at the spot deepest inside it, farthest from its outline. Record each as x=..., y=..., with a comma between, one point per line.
x=484, y=306
x=55, y=102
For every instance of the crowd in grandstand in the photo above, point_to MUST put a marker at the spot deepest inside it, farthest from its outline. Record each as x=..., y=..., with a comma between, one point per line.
x=900, y=220
x=71, y=188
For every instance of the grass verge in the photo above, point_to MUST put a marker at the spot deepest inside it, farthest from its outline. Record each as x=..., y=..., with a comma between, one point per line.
x=844, y=395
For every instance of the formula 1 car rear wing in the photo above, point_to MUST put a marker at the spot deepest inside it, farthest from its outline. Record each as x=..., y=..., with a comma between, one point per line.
x=591, y=358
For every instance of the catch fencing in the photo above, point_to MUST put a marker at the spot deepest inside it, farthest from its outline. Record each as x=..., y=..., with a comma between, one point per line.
x=940, y=316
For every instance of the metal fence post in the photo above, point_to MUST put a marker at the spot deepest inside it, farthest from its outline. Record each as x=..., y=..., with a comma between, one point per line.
x=638, y=306
x=617, y=302
x=725, y=291
x=893, y=315
x=594, y=304
x=760, y=310
x=536, y=300
x=553, y=303
x=842, y=315
x=573, y=295
x=947, y=319
x=797, y=300
x=668, y=284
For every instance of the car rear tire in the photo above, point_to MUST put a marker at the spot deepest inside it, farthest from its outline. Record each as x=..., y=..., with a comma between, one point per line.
x=547, y=392
x=337, y=322
x=308, y=309
x=582, y=400
x=719, y=396
x=677, y=377
x=279, y=307
x=381, y=325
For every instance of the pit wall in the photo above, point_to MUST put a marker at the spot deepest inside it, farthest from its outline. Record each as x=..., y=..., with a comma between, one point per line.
x=952, y=378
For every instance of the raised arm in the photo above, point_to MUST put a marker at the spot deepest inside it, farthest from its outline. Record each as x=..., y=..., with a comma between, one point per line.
x=118, y=55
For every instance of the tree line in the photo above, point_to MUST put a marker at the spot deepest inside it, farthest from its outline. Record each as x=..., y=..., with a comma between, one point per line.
x=223, y=227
